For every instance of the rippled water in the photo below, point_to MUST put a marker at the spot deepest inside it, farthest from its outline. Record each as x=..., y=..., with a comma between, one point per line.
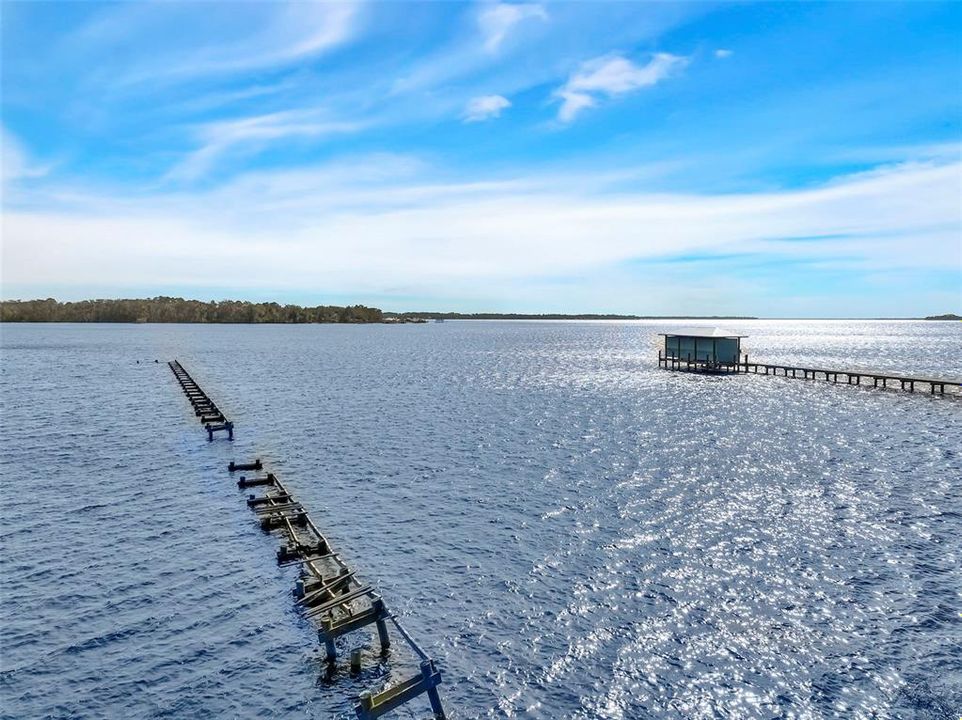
x=569, y=530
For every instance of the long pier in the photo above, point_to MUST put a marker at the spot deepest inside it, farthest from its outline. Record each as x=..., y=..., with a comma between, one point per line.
x=327, y=590
x=850, y=377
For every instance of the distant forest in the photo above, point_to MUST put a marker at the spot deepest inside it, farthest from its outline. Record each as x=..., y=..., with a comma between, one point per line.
x=553, y=316
x=178, y=310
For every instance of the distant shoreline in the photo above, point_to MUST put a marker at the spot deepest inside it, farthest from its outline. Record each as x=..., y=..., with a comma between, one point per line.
x=169, y=310
x=555, y=316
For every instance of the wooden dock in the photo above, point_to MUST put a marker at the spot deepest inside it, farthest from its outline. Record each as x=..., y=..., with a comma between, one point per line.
x=327, y=590
x=935, y=386
x=207, y=412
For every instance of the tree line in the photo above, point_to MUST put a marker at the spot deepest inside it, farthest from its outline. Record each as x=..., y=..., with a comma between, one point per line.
x=553, y=316
x=178, y=310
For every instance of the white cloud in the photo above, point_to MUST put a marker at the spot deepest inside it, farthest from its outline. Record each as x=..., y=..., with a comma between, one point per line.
x=496, y=21
x=485, y=107
x=225, y=38
x=12, y=157
x=723, y=53
x=369, y=225
x=253, y=133
x=609, y=76
x=15, y=163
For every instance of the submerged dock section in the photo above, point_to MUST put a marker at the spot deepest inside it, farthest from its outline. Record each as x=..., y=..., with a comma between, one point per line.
x=713, y=351
x=327, y=590
x=207, y=412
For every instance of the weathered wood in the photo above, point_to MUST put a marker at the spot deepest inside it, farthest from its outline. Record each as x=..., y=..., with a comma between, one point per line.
x=278, y=498
x=288, y=507
x=374, y=705
x=328, y=588
x=340, y=600
x=246, y=482
x=311, y=559
x=272, y=522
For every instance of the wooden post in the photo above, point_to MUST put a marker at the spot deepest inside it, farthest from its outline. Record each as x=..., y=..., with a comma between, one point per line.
x=331, y=649
x=382, y=625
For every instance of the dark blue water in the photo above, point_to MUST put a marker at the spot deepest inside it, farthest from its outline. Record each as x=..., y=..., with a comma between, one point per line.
x=570, y=531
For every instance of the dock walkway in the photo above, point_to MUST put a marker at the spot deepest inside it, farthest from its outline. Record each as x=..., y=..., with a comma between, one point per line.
x=206, y=411
x=850, y=377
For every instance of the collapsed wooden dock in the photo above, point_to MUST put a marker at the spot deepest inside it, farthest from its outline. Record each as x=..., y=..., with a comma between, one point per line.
x=327, y=590
x=940, y=386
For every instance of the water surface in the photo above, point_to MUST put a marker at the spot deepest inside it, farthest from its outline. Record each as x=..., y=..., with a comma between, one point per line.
x=568, y=530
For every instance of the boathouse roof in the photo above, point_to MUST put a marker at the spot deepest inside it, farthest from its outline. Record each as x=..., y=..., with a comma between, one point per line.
x=702, y=332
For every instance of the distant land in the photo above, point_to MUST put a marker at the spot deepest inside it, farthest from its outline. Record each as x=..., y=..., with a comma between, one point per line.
x=553, y=316
x=178, y=310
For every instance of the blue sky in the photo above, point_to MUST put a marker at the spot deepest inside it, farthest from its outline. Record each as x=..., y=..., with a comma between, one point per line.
x=793, y=159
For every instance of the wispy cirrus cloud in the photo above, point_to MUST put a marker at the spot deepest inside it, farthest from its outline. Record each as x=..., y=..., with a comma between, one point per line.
x=496, y=21
x=16, y=164
x=477, y=48
x=485, y=107
x=612, y=75
x=226, y=38
x=250, y=134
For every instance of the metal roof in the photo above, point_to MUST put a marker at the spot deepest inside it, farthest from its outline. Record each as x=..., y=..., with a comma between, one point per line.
x=702, y=332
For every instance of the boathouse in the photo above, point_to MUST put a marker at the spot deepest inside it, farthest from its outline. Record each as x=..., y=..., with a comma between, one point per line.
x=704, y=346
